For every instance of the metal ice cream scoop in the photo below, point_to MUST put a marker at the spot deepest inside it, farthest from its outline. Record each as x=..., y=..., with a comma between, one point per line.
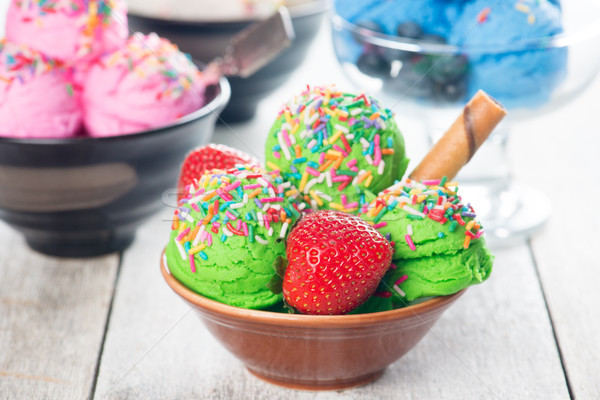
x=254, y=47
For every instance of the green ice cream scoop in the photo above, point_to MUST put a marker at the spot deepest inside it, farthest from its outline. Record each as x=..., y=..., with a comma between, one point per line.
x=228, y=232
x=439, y=275
x=438, y=243
x=333, y=146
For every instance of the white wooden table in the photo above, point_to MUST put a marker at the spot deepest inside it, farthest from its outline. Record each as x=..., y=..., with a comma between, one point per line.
x=110, y=328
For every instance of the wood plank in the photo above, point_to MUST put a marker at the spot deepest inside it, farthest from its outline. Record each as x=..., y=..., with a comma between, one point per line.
x=496, y=342
x=53, y=314
x=558, y=154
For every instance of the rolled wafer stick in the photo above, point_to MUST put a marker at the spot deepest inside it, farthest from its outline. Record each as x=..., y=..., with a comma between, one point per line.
x=458, y=145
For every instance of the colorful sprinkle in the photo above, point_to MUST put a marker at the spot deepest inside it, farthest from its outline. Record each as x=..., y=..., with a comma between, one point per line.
x=150, y=56
x=226, y=210
x=436, y=200
x=326, y=123
x=410, y=242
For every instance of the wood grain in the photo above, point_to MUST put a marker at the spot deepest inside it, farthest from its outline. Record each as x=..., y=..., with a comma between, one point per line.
x=53, y=314
x=496, y=342
x=559, y=156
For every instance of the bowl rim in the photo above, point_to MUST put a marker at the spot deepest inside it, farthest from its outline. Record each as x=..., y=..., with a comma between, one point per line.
x=301, y=320
x=219, y=102
x=562, y=40
x=314, y=7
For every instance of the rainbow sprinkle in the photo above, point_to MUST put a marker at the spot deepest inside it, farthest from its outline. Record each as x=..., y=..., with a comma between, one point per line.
x=218, y=206
x=520, y=5
x=525, y=9
x=92, y=17
x=483, y=15
x=436, y=200
x=101, y=9
x=152, y=55
x=322, y=136
x=20, y=63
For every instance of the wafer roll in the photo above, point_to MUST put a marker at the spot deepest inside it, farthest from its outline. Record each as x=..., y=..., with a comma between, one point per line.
x=458, y=145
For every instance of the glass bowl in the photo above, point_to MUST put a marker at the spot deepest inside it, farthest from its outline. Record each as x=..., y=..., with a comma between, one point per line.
x=523, y=74
x=430, y=77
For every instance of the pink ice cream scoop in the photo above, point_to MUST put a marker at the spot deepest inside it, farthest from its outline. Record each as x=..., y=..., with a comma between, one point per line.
x=68, y=30
x=37, y=99
x=147, y=84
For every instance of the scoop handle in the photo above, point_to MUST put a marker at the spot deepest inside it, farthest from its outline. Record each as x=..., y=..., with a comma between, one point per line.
x=459, y=143
x=255, y=46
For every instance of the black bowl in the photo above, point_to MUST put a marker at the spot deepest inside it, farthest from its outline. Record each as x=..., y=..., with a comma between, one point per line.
x=205, y=41
x=82, y=197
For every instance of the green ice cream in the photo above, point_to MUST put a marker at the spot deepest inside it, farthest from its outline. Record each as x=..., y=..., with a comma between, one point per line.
x=439, y=247
x=333, y=146
x=228, y=233
x=439, y=275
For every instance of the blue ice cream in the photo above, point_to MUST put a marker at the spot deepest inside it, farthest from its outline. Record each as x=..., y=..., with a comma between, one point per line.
x=391, y=17
x=515, y=78
x=389, y=14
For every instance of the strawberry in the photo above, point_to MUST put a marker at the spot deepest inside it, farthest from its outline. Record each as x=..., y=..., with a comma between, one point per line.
x=207, y=157
x=335, y=263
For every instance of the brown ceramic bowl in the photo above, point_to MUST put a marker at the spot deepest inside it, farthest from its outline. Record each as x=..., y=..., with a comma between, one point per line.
x=314, y=352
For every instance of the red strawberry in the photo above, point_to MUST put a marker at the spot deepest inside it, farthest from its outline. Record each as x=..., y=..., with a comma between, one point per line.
x=209, y=157
x=335, y=262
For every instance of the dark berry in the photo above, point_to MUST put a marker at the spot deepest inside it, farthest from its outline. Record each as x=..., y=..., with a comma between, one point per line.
x=410, y=30
x=421, y=64
x=448, y=68
x=373, y=64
